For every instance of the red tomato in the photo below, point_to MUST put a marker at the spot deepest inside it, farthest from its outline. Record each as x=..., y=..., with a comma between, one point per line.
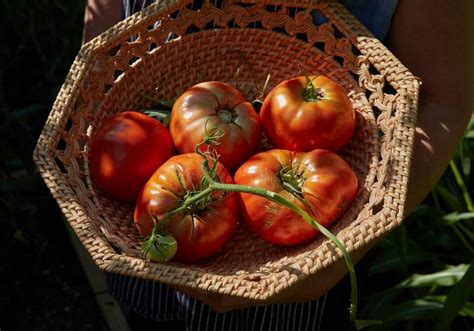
x=202, y=230
x=125, y=151
x=222, y=107
x=296, y=118
x=320, y=182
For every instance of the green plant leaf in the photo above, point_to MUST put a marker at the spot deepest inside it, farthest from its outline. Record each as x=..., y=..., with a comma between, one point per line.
x=456, y=299
x=454, y=217
x=465, y=158
x=425, y=212
x=448, y=277
x=469, y=134
x=413, y=310
x=362, y=324
x=378, y=302
x=395, y=262
x=470, y=129
x=467, y=310
x=461, y=185
x=448, y=197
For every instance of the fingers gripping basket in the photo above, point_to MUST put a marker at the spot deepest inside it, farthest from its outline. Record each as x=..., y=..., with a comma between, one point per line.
x=173, y=45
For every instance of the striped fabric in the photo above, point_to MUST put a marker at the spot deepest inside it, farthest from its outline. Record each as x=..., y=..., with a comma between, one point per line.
x=158, y=302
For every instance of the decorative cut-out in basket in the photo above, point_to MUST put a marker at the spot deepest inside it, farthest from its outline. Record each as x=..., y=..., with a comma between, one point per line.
x=172, y=45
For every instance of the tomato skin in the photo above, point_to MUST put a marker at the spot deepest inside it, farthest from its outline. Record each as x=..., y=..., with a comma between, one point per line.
x=125, y=151
x=164, y=191
x=325, y=181
x=294, y=124
x=221, y=106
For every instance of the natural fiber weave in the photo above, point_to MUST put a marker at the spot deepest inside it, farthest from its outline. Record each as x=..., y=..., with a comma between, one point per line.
x=176, y=45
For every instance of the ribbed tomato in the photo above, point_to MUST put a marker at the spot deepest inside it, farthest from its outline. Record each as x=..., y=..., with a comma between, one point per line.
x=125, y=151
x=302, y=114
x=321, y=182
x=202, y=229
x=222, y=107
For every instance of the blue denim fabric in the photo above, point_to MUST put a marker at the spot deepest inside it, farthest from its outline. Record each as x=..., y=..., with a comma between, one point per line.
x=376, y=15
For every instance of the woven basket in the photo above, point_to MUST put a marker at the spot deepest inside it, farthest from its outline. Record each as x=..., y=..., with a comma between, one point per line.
x=173, y=45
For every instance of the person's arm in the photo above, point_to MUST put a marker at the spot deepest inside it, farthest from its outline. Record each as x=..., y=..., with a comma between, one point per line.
x=435, y=40
x=99, y=15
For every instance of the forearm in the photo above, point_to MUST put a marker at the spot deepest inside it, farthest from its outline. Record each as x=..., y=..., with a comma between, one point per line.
x=99, y=15
x=439, y=130
x=437, y=45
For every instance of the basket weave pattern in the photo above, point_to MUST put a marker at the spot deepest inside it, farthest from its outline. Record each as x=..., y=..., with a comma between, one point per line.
x=176, y=45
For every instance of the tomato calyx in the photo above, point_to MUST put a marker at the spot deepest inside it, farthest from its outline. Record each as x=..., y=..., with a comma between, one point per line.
x=292, y=180
x=195, y=205
x=159, y=246
x=311, y=93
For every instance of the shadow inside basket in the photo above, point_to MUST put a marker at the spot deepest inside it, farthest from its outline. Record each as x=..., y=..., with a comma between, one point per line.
x=166, y=71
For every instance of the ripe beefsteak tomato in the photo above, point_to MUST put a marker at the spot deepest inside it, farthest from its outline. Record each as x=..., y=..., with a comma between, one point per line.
x=222, y=107
x=125, y=151
x=320, y=182
x=302, y=114
x=201, y=230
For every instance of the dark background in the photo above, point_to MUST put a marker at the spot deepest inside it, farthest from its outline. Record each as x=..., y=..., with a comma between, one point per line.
x=43, y=286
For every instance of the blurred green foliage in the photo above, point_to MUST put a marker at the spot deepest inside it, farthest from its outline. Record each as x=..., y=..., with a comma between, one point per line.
x=421, y=276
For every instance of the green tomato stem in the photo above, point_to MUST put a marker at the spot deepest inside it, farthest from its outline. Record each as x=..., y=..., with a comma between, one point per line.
x=210, y=183
x=277, y=198
x=189, y=202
